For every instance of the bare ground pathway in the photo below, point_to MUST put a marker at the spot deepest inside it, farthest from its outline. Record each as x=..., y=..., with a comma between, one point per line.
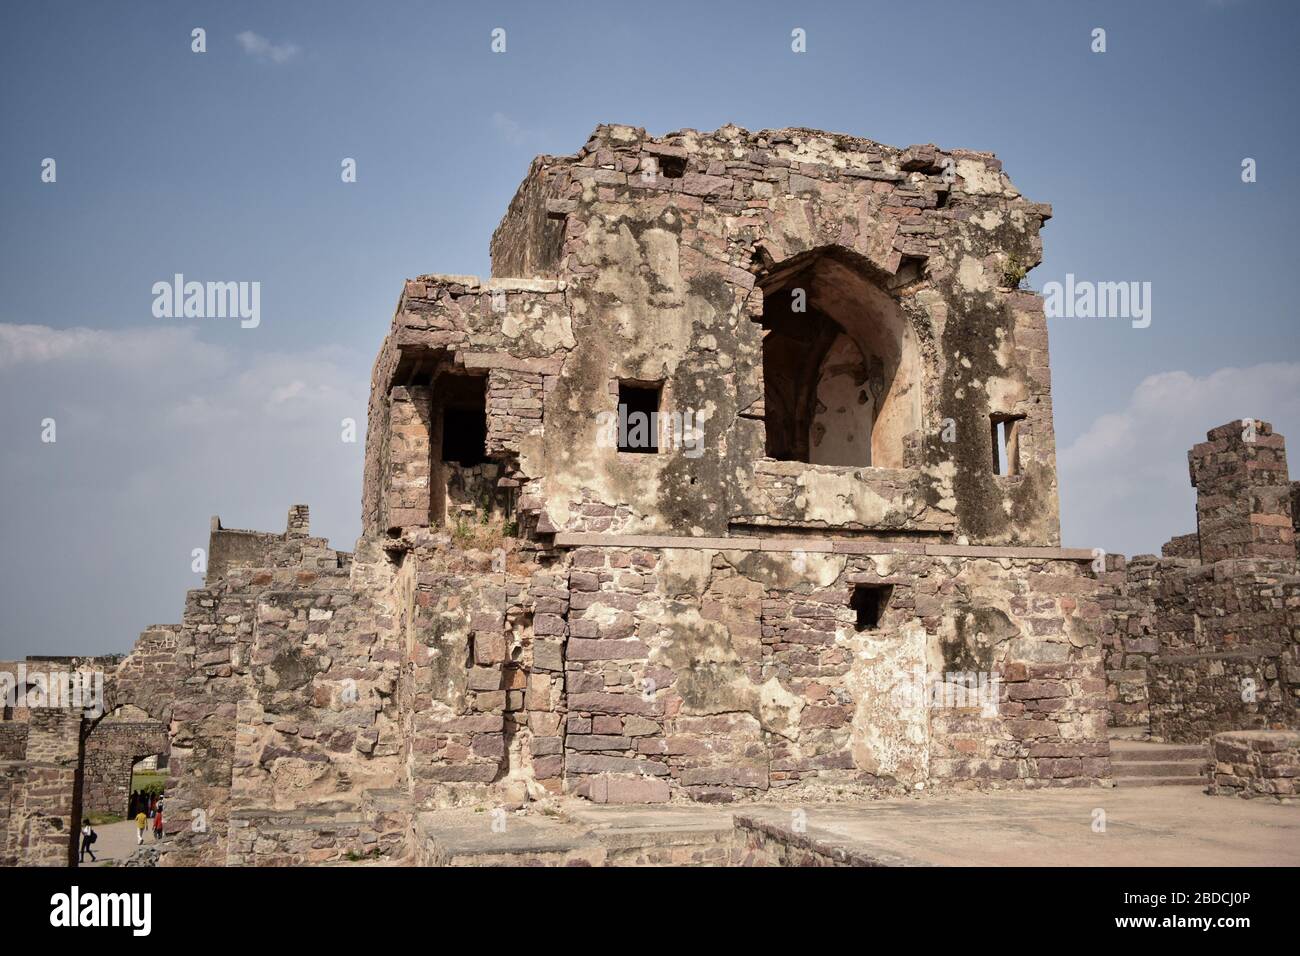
x=116, y=842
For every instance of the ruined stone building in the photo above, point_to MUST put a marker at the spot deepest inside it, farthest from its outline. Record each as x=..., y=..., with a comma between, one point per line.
x=1206, y=638
x=844, y=509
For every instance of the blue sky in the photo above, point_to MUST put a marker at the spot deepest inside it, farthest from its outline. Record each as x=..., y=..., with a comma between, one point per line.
x=225, y=165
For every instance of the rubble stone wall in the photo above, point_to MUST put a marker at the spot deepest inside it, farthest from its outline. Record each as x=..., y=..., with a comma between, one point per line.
x=1256, y=764
x=1211, y=643
x=1243, y=493
x=39, y=799
x=723, y=674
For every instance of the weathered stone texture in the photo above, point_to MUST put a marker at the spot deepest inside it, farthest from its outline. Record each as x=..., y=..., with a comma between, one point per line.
x=662, y=278
x=1243, y=493
x=1261, y=763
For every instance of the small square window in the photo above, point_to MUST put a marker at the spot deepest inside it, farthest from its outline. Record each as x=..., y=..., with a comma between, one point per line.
x=638, y=417
x=672, y=167
x=870, y=601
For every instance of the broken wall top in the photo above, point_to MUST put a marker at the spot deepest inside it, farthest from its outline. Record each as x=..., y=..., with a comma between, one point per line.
x=651, y=260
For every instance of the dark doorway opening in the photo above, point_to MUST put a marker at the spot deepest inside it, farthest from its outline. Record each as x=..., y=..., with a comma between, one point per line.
x=464, y=420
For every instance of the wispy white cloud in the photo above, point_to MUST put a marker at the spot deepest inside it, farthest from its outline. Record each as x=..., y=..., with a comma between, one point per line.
x=259, y=47
x=1124, y=481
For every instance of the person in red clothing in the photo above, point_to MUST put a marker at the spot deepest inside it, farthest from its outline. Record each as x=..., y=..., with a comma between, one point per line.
x=157, y=823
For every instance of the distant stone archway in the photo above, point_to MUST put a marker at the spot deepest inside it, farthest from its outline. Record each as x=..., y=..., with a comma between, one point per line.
x=113, y=745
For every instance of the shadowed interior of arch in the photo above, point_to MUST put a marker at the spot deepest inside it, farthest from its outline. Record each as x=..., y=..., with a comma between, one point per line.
x=840, y=366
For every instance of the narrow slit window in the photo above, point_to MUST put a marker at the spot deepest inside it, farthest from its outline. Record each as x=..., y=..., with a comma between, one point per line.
x=868, y=603
x=638, y=418
x=1006, y=443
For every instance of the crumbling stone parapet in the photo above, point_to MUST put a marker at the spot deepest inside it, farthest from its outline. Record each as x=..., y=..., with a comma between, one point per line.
x=1204, y=639
x=1243, y=493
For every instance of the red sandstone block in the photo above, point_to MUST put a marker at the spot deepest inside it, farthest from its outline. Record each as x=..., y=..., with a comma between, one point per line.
x=489, y=745
x=1064, y=767
x=600, y=763
x=549, y=767
x=484, y=678
x=611, y=789
x=748, y=777
x=489, y=649
x=548, y=625
x=460, y=773
x=1036, y=689
x=825, y=716
x=614, y=704
x=597, y=742
x=581, y=649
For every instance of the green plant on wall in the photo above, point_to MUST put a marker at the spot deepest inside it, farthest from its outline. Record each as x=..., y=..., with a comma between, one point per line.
x=1014, y=272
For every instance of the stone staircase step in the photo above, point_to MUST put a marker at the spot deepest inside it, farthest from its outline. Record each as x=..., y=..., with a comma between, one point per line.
x=465, y=838
x=1197, y=781
x=389, y=812
x=1173, y=768
x=1131, y=751
x=661, y=835
x=1142, y=763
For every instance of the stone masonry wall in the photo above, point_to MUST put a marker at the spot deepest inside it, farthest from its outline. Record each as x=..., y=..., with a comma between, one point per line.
x=39, y=800
x=1256, y=764
x=1205, y=639
x=1229, y=640
x=731, y=674
x=1243, y=493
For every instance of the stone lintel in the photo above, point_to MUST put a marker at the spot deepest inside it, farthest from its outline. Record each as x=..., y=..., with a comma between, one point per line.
x=572, y=539
x=503, y=360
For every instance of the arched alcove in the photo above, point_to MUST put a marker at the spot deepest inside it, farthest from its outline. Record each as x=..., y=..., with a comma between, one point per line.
x=841, y=368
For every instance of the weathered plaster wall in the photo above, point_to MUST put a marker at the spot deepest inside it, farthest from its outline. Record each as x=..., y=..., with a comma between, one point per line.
x=730, y=673
x=660, y=279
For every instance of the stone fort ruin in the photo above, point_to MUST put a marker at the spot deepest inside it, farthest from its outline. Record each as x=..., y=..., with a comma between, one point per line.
x=736, y=481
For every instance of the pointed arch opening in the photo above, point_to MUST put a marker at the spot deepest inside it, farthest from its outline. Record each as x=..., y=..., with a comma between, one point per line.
x=841, y=369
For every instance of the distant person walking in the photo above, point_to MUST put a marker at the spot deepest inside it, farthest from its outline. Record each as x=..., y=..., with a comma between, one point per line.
x=140, y=821
x=88, y=837
x=157, y=824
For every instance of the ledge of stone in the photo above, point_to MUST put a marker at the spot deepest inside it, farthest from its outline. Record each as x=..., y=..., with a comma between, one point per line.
x=473, y=283
x=503, y=360
x=573, y=539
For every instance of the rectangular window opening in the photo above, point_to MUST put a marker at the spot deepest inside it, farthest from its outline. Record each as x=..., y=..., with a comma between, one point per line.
x=638, y=417
x=869, y=602
x=1006, y=443
x=672, y=167
x=464, y=420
